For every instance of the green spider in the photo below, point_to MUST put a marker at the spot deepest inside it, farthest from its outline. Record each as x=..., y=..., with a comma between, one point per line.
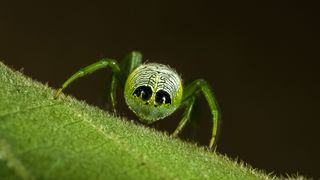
x=152, y=91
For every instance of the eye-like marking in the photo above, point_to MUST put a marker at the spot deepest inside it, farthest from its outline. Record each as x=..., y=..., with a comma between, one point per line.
x=153, y=91
x=145, y=92
x=162, y=97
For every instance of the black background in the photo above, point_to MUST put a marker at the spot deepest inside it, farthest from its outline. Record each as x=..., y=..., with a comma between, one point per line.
x=261, y=59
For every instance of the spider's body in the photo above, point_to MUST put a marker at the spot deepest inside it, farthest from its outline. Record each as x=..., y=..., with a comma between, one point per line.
x=152, y=91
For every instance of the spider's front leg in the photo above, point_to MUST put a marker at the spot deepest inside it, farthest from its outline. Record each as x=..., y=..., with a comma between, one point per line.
x=120, y=73
x=188, y=99
x=103, y=63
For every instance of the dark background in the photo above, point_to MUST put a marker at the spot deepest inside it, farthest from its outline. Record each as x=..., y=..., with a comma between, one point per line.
x=261, y=59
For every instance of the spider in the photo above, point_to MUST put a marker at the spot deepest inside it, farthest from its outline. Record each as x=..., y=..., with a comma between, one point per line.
x=152, y=91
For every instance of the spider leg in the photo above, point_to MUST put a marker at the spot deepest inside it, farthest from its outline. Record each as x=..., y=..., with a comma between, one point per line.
x=191, y=92
x=103, y=63
x=128, y=64
x=186, y=116
x=113, y=93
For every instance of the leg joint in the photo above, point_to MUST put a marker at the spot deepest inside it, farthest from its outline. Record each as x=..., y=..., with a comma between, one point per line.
x=201, y=82
x=107, y=61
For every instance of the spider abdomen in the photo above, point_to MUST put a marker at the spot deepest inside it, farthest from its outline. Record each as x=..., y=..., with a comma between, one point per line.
x=153, y=91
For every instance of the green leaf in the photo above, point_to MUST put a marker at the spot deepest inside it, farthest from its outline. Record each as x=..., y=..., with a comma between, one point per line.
x=46, y=138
